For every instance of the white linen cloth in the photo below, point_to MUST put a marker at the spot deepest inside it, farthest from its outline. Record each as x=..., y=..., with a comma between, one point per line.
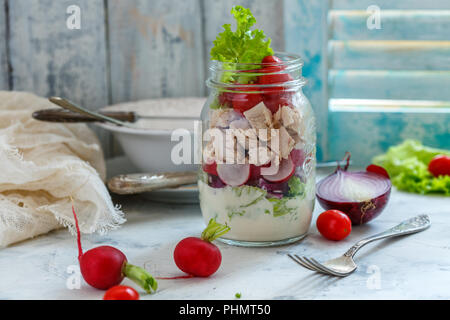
x=42, y=165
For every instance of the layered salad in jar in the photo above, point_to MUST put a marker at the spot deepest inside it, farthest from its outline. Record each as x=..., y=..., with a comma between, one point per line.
x=258, y=173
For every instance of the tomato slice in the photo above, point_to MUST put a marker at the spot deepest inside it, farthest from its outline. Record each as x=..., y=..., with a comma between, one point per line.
x=334, y=225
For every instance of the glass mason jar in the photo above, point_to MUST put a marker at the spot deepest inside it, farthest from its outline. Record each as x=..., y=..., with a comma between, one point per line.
x=259, y=152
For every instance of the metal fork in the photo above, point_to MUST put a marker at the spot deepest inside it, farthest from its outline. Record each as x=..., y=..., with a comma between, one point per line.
x=344, y=265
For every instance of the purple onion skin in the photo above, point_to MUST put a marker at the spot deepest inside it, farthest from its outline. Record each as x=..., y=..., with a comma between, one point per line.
x=215, y=182
x=277, y=190
x=275, y=195
x=358, y=212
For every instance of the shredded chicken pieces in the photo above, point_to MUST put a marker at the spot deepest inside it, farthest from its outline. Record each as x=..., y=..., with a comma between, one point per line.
x=257, y=136
x=259, y=117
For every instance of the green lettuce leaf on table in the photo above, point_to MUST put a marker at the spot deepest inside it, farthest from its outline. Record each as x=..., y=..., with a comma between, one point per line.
x=240, y=46
x=407, y=165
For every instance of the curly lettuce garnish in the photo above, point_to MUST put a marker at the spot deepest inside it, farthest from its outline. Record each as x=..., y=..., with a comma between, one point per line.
x=243, y=45
x=407, y=165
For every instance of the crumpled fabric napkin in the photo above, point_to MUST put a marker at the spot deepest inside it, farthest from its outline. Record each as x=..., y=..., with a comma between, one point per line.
x=42, y=165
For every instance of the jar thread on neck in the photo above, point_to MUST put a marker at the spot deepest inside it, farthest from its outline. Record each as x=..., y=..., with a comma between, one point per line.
x=235, y=77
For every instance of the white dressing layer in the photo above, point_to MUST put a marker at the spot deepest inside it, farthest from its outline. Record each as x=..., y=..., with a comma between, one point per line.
x=252, y=217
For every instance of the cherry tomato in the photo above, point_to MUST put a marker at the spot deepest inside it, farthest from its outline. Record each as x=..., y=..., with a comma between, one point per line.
x=270, y=60
x=274, y=98
x=334, y=225
x=273, y=78
x=245, y=101
x=240, y=101
x=440, y=166
x=121, y=293
x=210, y=168
x=225, y=99
x=271, y=64
x=377, y=169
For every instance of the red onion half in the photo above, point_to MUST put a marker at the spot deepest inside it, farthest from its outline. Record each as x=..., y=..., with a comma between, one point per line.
x=361, y=195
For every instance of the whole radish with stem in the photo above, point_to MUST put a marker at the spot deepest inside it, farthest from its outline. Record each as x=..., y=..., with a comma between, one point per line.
x=198, y=256
x=105, y=267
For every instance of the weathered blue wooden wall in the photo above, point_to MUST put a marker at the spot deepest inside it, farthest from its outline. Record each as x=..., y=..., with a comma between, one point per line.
x=4, y=73
x=137, y=49
x=306, y=33
x=49, y=59
x=125, y=50
x=406, y=60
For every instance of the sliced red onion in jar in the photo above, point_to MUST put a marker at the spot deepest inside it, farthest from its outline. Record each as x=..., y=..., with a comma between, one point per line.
x=361, y=195
x=274, y=189
x=215, y=182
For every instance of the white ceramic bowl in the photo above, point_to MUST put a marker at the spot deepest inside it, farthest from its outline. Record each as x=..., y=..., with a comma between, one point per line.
x=149, y=145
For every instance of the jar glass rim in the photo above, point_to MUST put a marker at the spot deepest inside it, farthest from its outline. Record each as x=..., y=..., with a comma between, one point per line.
x=256, y=88
x=290, y=61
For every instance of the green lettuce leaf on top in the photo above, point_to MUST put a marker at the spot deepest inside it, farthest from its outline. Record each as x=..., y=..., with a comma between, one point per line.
x=243, y=45
x=407, y=164
x=240, y=46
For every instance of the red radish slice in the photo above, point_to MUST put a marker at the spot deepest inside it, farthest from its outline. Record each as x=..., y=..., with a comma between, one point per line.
x=298, y=157
x=285, y=172
x=234, y=175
